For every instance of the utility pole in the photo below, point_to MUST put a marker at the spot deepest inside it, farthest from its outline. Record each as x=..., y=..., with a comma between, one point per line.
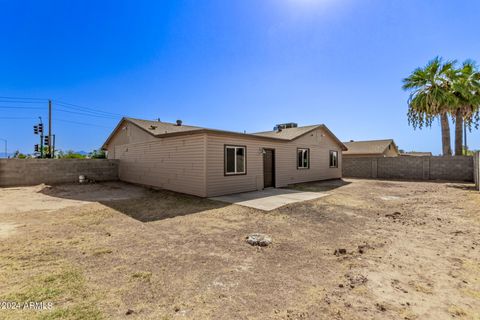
x=40, y=126
x=49, y=128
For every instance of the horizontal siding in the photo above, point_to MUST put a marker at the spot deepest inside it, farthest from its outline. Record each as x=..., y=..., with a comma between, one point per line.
x=286, y=173
x=126, y=134
x=175, y=163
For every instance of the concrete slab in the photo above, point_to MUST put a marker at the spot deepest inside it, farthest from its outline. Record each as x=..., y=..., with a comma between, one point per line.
x=269, y=199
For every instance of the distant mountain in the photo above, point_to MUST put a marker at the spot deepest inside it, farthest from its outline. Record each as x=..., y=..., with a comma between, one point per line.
x=83, y=153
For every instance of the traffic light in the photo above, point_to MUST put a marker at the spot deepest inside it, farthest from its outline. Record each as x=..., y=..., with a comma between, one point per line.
x=35, y=129
x=40, y=128
x=46, y=140
x=37, y=149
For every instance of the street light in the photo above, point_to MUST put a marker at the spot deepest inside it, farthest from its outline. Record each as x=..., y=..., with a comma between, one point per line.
x=5, y=140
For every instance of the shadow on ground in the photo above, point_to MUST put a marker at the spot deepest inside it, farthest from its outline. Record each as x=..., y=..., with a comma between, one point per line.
x=140, y=203
x=319, y=186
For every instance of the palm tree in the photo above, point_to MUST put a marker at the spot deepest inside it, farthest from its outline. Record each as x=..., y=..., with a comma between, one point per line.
x=466, y=88
x=431, y=97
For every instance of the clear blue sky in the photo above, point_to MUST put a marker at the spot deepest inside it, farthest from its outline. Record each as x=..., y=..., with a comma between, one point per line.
x=235, y=65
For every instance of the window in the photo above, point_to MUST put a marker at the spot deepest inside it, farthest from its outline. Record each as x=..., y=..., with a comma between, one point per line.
x=235, y=160
x=333, y=159
x=303, y=158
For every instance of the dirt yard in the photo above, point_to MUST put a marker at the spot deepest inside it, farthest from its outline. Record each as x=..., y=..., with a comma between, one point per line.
x=112, y=250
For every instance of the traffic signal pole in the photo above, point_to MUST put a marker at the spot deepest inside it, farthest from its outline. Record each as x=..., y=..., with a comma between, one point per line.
x=49, y=128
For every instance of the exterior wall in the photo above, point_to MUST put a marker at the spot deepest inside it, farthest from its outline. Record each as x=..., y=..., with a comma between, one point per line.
x=286, y=171
x=392, y=152
x=22, y=172
x=476, y=170
x=174, y=163
x=458, y=168
x=131, y=134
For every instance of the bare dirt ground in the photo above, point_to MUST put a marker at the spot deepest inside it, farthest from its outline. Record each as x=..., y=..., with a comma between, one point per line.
x=115, y=251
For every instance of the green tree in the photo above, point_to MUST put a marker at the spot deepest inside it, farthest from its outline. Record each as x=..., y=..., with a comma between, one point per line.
x=70, y=154
x=431, y=97
x=97, y=154
x=466, y=88
x=19, y=155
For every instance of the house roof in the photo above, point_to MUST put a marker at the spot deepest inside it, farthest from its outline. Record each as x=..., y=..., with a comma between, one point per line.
x=288, y=133
x=165, y=129
x=417, y=154
x=158, y=128
x=368, y=147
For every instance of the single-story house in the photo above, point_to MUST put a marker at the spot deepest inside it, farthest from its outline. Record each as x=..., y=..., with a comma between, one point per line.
x=209, y=162
x=371, y=148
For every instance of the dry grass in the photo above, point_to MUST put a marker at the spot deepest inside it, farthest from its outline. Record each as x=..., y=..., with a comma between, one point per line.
x=165, y=255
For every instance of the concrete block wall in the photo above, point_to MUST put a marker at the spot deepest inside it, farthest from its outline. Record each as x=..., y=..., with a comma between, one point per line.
x=458, y=168
x=476, y=170
x=23, y=172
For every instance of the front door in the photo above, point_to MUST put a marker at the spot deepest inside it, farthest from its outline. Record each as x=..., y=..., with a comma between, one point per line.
x=269, y=168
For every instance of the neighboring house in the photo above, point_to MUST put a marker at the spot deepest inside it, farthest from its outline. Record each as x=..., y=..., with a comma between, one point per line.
x=416, y=154
x=209, y=162
x=371, y=148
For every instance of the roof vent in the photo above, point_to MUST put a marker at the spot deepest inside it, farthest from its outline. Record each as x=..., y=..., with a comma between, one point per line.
x=287, y=125
x=152, y=127
x=179, y=123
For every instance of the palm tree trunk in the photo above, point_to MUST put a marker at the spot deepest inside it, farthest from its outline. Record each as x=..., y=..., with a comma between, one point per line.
x=446, y=144
x=458, y=133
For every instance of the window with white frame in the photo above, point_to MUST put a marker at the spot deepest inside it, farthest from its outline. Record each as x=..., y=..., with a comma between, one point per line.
x=333, y=159
x=235, y=160
x=303, y=158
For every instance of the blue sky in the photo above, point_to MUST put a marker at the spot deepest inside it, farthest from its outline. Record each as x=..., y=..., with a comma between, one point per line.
x=235, y=65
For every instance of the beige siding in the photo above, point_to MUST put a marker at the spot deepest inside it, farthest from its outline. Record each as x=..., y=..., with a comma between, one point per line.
x=175, y=163
x=318, y=141
x=127, y=133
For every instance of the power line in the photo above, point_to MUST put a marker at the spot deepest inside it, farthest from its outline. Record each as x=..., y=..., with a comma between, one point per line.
x=13, y=118
x=87, y=114
x=21, y=101
x=20, y=98
x=82, y=108
x=18, y=107
x=80, y=123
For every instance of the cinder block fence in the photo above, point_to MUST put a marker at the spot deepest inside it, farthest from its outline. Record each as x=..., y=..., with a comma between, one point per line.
x=476, y=163
x=458, y=168
x=22, y=172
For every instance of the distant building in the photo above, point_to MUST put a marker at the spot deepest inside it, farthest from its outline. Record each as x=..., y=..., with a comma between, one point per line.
x=416, y=154
x=371, y=148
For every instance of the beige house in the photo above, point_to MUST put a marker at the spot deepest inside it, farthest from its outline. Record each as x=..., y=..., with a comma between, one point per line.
x=371, y=148
x=208, y=162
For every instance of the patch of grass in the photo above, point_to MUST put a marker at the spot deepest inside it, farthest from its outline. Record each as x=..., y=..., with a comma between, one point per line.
x=472, y=293
x=457, y=311
x=102, y=251
x=78, y=312
x=47, y=288
x=65, y=288
x=142, y=275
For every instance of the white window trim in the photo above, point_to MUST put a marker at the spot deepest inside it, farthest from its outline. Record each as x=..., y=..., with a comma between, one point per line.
x=308, y=158
x=336, y=159
x=235, y=160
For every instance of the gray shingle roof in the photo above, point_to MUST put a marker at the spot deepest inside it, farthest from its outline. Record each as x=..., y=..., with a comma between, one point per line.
x=165, y=129
x=367, y=147
x=288, y=134
x=157, y=128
